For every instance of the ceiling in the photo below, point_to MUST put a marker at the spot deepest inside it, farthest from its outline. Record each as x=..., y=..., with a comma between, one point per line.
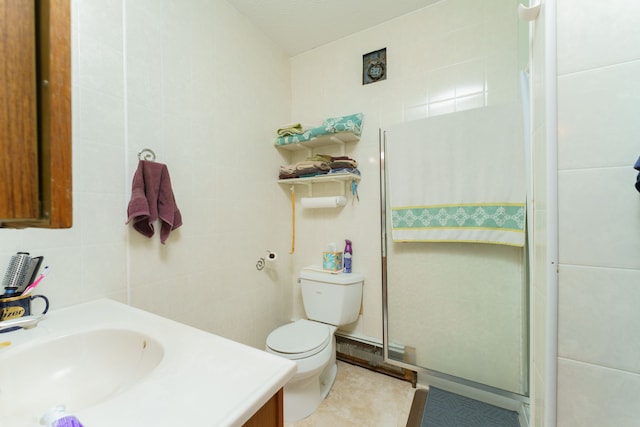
x=301, y=25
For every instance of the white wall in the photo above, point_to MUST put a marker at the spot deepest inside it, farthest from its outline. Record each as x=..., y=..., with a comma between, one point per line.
x=195, y=82
x=599, y=213
x=447, y=57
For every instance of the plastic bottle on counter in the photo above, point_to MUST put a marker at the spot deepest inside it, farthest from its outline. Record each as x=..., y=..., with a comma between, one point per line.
x=348, y=254
x=58, y=417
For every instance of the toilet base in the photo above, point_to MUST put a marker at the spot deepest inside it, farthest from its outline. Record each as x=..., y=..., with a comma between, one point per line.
x=327, y=379
x=302, y=398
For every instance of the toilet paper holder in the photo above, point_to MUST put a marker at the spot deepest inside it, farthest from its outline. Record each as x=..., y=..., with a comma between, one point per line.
x=262, y=261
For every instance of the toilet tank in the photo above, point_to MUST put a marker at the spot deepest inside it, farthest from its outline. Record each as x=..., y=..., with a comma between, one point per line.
x=331, y=298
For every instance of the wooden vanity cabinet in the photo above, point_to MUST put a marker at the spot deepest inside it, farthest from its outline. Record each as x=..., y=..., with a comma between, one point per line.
x=35, y=114
x=271, y=414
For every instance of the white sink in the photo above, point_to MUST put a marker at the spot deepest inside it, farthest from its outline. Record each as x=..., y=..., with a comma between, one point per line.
x=114, y=365
x=77, y=370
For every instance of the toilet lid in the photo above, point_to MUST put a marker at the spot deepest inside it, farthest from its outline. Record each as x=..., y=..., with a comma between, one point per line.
x=299, y=339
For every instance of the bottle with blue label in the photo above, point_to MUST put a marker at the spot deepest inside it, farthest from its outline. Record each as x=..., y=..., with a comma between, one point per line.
x=348, y=254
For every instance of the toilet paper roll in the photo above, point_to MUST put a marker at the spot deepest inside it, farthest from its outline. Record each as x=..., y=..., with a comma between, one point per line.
x=271, y=256
x=323, y=202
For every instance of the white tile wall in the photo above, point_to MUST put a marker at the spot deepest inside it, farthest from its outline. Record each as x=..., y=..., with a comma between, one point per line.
x=592, y=395
x=598, y=210
x=594, y=34
x=599, y=113
x=606, y=336
x=195, y=82
x=598, y=56
x=206, y=93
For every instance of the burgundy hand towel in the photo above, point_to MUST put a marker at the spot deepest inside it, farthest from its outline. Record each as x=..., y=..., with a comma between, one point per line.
x=152, y=198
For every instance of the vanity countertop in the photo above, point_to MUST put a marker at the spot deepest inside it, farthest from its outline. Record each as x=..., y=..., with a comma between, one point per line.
x=201, y=380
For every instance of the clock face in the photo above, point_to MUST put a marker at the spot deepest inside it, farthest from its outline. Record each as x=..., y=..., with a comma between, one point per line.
x=376, y=71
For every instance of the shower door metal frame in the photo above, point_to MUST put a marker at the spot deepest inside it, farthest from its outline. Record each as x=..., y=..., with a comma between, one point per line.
x=506, y=398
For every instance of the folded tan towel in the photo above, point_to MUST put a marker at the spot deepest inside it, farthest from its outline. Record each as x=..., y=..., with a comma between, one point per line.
x=317, y=164
x=294, y=129
x=320, y=157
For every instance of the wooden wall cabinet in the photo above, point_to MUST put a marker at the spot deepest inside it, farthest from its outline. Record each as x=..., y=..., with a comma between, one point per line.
x=35, y=114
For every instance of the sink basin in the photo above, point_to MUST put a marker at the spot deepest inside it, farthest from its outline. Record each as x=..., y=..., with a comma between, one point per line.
x=76, y=370
x=112, y=364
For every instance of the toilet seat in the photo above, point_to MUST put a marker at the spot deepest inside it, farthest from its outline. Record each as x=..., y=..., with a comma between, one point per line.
x=300, y=339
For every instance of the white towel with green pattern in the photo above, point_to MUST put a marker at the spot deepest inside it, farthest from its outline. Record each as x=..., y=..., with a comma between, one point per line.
x=458, y=177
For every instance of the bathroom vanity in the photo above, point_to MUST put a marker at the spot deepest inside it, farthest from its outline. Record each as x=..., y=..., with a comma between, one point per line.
x=112, y=364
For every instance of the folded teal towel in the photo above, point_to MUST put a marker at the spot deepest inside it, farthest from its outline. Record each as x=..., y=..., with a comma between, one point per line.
x=351, y=123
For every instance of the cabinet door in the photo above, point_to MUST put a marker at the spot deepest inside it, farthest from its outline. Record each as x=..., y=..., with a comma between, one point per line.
x=35, y=114
x=271, y=414
x=18, y=111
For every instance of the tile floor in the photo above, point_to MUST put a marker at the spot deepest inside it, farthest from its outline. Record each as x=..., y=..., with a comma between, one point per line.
x=361, y=397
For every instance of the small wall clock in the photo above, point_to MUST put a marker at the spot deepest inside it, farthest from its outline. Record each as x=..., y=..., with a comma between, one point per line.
x=374, y=66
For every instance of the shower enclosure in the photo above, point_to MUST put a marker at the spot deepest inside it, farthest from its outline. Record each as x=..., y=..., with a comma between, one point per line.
x=458, y=311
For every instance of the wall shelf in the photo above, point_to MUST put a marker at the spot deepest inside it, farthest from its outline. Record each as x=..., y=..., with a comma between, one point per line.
x=342, y=178
x=321, y=178
x=336, y=139
x=339, y=139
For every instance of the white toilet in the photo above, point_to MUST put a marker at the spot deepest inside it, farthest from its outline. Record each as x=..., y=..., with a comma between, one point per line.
x=330, y=301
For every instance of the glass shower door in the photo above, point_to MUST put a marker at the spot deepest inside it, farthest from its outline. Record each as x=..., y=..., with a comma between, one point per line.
x=460, y=310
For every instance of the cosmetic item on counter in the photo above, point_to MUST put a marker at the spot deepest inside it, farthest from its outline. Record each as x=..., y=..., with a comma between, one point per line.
x=16, y=272
x=58, y=417
x=348, y=254
x=36, y=282
x=32, y=272
x=22, y=271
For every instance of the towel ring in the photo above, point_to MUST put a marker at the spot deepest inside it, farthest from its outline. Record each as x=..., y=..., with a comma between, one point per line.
x=147, y=154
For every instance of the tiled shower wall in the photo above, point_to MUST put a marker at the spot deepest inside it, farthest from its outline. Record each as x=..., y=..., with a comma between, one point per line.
x=196, y=83
x=599, y=213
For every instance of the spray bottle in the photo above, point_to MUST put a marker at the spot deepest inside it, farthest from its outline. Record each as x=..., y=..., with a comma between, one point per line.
x=348, y=253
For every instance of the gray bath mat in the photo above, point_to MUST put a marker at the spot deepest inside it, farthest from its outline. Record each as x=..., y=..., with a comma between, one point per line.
x=444, y=409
